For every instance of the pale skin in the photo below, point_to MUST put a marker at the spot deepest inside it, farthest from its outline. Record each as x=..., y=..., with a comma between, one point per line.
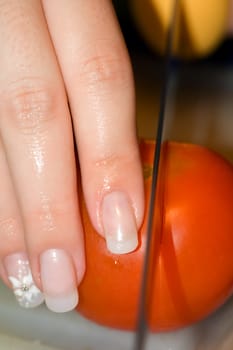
x=53, y=52
x=64, y=64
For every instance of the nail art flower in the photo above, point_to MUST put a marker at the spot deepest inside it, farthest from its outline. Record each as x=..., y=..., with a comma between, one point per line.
x=26, y=292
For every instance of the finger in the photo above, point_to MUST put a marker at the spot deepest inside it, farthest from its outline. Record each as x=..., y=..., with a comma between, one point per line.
x=14, y=264
x=37, y=134
x=99, y=82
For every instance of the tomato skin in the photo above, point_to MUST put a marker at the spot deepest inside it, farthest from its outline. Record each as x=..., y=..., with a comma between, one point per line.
x=194, y=271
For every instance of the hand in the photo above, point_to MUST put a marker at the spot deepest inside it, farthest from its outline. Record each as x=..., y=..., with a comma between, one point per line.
x=63, y=63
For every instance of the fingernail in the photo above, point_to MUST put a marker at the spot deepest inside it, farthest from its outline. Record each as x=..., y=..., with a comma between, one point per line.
x=119, y=223
x=58, y=280
x=19, y=273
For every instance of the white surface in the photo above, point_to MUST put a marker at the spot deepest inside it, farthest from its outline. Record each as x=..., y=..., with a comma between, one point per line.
x=15, y=343
x=39, y=329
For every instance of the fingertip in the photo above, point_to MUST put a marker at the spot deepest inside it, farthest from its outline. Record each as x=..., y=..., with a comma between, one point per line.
x=119, y=223
x=58, y=279
x=19, y=274
x=115, y=201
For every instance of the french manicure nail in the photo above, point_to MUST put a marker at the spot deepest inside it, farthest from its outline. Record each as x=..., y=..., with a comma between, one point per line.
x=19, y=274
x=58, y=280
x=119, y=223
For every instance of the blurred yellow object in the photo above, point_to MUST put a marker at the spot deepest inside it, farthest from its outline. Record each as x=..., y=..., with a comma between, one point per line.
x=200, y=27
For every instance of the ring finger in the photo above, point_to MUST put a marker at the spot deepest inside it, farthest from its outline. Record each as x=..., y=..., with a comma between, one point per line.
x=14, y=264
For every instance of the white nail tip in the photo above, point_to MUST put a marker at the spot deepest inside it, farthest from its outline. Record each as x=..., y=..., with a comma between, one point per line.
x=26, y=292
x=61, y=304
x=58, y=280
x=117, y=247
x=119, y=223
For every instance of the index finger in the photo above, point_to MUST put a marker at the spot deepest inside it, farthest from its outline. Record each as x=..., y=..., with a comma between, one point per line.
x=99, y=82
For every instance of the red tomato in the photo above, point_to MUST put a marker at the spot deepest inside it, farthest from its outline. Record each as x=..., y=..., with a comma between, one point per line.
x=194, y=271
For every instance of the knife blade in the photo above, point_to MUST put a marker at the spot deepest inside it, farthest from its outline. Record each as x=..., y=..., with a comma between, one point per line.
x=142, y=324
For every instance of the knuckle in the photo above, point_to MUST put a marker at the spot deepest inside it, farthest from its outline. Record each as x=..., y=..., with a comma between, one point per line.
x=107, y=161
x=115, y=161
x=116, y=166
x=105, y=68
x=49, y=214
x=29, y=106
